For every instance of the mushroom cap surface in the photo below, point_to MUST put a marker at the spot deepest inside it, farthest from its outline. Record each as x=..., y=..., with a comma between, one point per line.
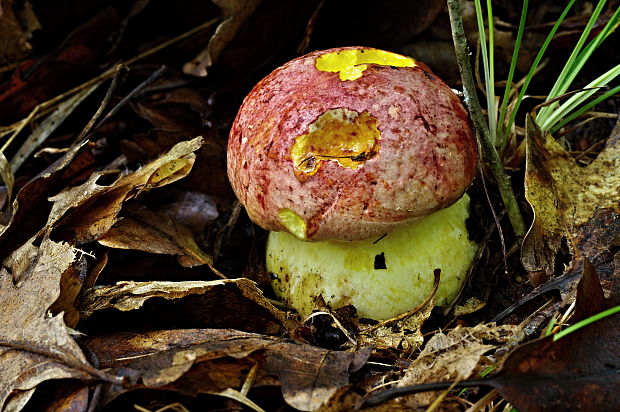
x=347, y=144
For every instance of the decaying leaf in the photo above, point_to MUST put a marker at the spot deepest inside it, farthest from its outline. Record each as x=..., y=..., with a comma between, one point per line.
x=193, y=210
x=235, y=14
x=49, y=125
x=455, y=356
x=84, y=213
x=211, y=360
x=179, y=110
x=402, y=333
x=34, y=346
x=579, y=370
x=7, y=177
x=229, y=303
x=71, y=283
x=153, y=232
x=14, y=36
x=30, y=208
x=578, y=204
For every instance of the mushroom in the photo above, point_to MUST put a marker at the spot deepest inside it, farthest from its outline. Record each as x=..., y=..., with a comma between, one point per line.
x=341, y=147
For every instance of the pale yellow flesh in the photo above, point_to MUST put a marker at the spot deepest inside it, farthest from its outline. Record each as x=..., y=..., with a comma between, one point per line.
x=343, y=272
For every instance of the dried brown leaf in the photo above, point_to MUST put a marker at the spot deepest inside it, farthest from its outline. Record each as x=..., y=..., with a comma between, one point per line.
x=7, y=177
x=578, y=204
x=400, y=333
x=235, y=13
x=48, y=125
x=35, y=346
x=84, y=213
x=454, y=356
x=30, y=208
x=179, y=110
x=578, y=371
x=153, y=232
x=211, y=360
x=235, y=303
x=14, y=35
x=194, y=210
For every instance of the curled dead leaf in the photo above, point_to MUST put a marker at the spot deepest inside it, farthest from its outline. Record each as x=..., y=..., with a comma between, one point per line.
x=153, y=232
x=35, y=346
x=225, y=303
x=30, y=208
x=211, y=360
x=567, y=199
x=84, y=213
x=580, y=370
x=14, y=35
x=235, y=14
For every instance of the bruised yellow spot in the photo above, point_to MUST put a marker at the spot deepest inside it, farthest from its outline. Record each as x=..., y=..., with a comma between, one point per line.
x=340, y=135
x=293, y=223
x=350, y=64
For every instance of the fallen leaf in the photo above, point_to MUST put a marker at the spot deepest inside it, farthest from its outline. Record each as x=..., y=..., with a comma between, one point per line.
x=7, y=177
x=44, y=129
x=578, y=204
x=14, y=44
x=142, y=229
x=229, y=303
x=235, y=13
x=30, y=209
x=455, y=356
x=45, y=77
x=194, y=210
x=34, y=346
x=84, y=213
x=71, y=283
x=211, y=360
x=182, y=110
x=402, y=333
x=579, y=370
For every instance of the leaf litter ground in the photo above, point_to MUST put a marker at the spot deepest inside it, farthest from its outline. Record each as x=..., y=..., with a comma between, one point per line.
x=126, y=231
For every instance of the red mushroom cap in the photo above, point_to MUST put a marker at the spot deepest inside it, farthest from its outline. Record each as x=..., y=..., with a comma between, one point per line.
x=348, y=143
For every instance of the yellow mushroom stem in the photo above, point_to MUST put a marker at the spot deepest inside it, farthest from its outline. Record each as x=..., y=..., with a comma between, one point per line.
x=381, y=277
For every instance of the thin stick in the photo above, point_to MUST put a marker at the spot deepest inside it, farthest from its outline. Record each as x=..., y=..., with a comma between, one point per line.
x=120, y=70
x=379, y=398
x=139, y=89
x=482, y=130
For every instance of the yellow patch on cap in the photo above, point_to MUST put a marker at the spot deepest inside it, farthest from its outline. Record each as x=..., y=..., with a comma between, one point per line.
x=293, y=223
x=340, y=135
x=350, y=64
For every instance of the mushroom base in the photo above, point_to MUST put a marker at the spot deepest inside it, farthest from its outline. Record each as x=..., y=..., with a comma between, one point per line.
x=381, y=277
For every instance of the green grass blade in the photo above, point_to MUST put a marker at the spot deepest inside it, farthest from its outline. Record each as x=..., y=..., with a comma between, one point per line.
x=490, y=78
x=609, y=28
x=572, y=66
x=585, y=108
x=586, y=322
x=574, y=101
x=511, y=71
x=535, y=64
x=489, y=87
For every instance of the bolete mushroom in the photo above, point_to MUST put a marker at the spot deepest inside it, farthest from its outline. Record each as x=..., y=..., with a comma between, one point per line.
x=340, y=147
